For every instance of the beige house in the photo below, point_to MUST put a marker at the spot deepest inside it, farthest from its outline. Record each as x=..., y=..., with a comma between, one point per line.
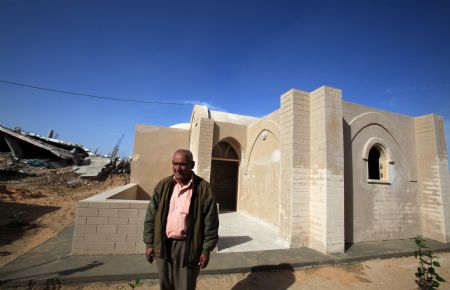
x=324, y=172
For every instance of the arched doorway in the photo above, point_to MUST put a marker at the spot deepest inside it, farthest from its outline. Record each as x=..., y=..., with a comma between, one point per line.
x=224, y=175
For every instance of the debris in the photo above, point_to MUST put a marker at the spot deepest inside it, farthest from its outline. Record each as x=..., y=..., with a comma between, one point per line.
x=37, y=162
x=29, y=145
x=123, y=166
x=49, y=198
x=76, y=182
x=115, y=150
x=47, y=152
x=14, y=146
x=96, y=168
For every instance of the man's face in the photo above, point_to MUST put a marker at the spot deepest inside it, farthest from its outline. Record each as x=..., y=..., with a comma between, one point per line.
x=182, y=169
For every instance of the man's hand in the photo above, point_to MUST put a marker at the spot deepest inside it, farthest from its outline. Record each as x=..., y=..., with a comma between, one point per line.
x=149, y=254
x=204, y=259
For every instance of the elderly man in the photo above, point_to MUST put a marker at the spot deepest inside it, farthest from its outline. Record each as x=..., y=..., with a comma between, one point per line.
x=181, y=225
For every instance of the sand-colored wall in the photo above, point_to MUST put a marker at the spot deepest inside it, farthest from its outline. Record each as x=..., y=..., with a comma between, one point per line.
x=260, y=171
x=294, y=167
x=200, y=140
x=311, y=212
x=434, y=179
x=274, y=116
x=326, y=174
x=234, y=134
x=153, y=151
x=379, y=210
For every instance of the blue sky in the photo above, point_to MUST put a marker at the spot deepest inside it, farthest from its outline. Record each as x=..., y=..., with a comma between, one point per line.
x=237, y=56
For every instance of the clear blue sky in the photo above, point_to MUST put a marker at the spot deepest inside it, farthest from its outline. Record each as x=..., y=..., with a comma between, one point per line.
x=237, y=56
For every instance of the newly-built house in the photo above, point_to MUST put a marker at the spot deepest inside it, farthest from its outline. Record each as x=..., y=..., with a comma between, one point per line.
x=323, y=171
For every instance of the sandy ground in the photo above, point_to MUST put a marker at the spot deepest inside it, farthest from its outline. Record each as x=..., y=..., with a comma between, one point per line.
x=47, y=199
x=375, y=274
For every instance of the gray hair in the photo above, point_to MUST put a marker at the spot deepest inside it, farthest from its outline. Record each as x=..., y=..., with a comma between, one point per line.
x=187, y=154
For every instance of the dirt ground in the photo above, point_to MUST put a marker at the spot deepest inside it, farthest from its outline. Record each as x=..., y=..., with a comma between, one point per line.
x=376, y=274
x=44, y=198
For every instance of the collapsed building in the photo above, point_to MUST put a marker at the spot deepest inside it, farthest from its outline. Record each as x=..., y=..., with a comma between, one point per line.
x=50, y=152
x=25, y=145
x=323, y=171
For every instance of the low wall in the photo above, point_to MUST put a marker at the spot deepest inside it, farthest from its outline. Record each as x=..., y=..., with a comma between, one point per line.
x=111, y=222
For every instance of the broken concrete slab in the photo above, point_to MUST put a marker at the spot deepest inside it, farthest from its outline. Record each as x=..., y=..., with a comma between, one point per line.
x=95, y=169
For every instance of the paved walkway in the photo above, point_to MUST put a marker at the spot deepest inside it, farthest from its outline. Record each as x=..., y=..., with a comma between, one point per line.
x=51, y=264
x=243, y=233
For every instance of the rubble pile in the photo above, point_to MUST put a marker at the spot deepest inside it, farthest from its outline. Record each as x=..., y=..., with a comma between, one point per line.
x=121, y=166
x=36, y=151
x=8, y=165
x=13, y=171
x=41, y=182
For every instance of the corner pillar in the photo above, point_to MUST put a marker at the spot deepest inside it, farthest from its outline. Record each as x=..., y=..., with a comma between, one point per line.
x=202, y=148
x=294, y=168
x=433, y=177
x=326, y=171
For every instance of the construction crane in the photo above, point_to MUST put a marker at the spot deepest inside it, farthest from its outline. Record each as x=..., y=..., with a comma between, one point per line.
x=116, y=148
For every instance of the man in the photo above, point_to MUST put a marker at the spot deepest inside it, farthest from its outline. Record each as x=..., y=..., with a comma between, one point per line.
x=181, y=225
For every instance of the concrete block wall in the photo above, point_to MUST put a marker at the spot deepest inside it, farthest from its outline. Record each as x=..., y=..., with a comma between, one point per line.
x=433, y=177
x=318, y=172
x=326, y=171
x=109, y=227
x=294, y=168
x=312, y=169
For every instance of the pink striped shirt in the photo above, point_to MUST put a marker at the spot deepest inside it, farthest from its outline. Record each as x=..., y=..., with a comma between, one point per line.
x=180, y=201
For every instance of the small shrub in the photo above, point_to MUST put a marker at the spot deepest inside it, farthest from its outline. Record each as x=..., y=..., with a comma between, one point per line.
x=136, y=283
x=427, y=278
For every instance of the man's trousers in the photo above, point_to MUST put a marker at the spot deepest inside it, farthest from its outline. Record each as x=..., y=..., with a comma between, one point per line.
x=172, y=274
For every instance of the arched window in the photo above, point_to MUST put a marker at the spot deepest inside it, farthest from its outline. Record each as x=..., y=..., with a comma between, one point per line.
x=377, y=163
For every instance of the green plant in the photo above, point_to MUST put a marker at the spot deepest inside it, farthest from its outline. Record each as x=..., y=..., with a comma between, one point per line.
x=427, y=278
x=136, y=283
x=16, y=219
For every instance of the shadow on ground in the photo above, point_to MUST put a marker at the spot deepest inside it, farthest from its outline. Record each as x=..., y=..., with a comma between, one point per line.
x=231, y=241
x=51, y=280
x=274, y=277
x=8, y=175
x=17, y=218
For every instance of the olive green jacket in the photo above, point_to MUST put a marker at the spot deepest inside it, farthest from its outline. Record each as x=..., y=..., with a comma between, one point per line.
x=203, y=220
